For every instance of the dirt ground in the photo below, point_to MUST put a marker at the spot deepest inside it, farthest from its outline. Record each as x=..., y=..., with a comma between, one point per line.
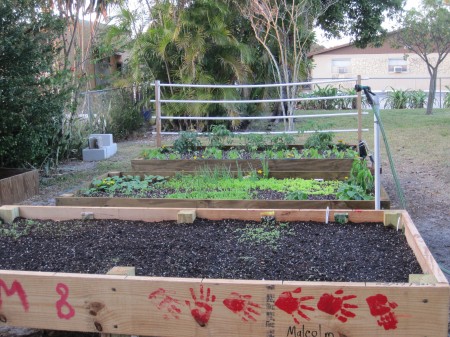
x=426, y=188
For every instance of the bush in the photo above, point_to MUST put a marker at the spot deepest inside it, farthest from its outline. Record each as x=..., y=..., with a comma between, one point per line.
x=321, y=141
x=187, y=142
x=32, y=94
x=124, y=115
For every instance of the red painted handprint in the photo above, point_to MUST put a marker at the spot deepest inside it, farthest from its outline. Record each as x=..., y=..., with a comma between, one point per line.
x=334, y=305
x=202, y=310
x=163, y=301
x=290, y=304
x=242, y=306
x=380, y=306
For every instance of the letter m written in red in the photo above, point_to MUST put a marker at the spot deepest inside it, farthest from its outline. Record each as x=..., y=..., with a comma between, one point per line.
x=15, y=289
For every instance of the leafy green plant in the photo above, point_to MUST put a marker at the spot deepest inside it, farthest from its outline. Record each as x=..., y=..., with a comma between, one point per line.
x=320, y=141
x=212, y=153
x=127, y=185
x=281, y=142
x=124, y=115
x=347, y=103
x=327, y=91
x=15, y=230
x=220, y=136
x=253, y=142
x=360, y=175
x=350, y=191
x=447, y=97
x=186, y=142
x=311, y=153
x=265, y=233
x=234, y=154
x=153, y=153
x=397, y=99
x=417, y=99
x=296, y=195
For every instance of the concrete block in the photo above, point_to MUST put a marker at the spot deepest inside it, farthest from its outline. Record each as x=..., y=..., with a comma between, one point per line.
x=106, y=138
x=107, y=148
x=94, y=154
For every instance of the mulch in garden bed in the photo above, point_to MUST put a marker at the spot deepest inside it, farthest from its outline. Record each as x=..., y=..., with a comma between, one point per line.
x=228, y=249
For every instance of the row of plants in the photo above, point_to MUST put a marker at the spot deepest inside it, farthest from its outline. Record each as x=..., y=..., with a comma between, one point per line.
x=221, y=183
x=252, y=146
x=328, y=104
x=395, y=99
x=403, y=99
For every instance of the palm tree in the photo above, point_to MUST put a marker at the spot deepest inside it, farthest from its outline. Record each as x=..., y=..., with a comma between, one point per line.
x=193, y=44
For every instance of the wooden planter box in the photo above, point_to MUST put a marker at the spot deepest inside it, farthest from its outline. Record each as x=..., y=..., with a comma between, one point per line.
x=17, y=185
x=326, y=169
x=70, y=199
x=220, y=307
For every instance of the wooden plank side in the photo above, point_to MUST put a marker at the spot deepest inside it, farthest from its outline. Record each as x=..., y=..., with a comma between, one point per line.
x=210, y=203
x=325, y=175
x=159, y=214
x=421, y=251
x=18, y=187
x=169, y=307
x=180, y=165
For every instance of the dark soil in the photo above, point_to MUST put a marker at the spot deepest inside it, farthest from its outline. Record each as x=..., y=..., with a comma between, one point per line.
x=226, y=249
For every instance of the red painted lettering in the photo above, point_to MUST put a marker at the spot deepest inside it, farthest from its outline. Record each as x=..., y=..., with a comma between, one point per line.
x=63, y=291
x=16, y=288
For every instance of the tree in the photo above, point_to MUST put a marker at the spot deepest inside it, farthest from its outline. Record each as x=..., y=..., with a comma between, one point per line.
x=285, y=29
x=191, y=43
x=359, y=19
x=31, y=102
x=427, y=34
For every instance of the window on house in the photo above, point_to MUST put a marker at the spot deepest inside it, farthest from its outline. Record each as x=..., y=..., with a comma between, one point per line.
x=397, y=65
x=341, y=66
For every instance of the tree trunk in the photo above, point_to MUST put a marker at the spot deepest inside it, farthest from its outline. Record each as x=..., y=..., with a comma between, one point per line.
x=432, y=91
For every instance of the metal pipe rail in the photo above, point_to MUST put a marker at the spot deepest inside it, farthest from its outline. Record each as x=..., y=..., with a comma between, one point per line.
x=272, y=132
x=237, y=86
x=274, y=100
x=227, y=118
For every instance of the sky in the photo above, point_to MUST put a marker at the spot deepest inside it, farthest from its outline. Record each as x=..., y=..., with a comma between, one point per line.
x=336, y=42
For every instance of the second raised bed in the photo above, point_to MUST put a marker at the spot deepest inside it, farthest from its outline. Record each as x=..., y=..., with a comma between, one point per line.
x=73, y=200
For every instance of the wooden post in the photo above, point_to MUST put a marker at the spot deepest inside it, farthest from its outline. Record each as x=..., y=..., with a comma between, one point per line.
x=186, y=216
x=9, y=213
x=358, y=105
x=158, y=112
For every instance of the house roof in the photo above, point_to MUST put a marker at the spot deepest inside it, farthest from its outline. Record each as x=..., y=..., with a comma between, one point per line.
x=349, y=48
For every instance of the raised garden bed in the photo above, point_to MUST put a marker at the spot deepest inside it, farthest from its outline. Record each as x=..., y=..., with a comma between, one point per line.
x=326, y=169
x=17, y=185
x=265, y=200
x=202, y=306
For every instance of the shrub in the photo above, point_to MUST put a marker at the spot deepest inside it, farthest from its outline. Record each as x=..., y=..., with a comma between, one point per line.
x=447, y=98
x=187, y=142
x=321, y=141
x=32, y=94
x=397, y=99
x=417, y=99
x=124, y=115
